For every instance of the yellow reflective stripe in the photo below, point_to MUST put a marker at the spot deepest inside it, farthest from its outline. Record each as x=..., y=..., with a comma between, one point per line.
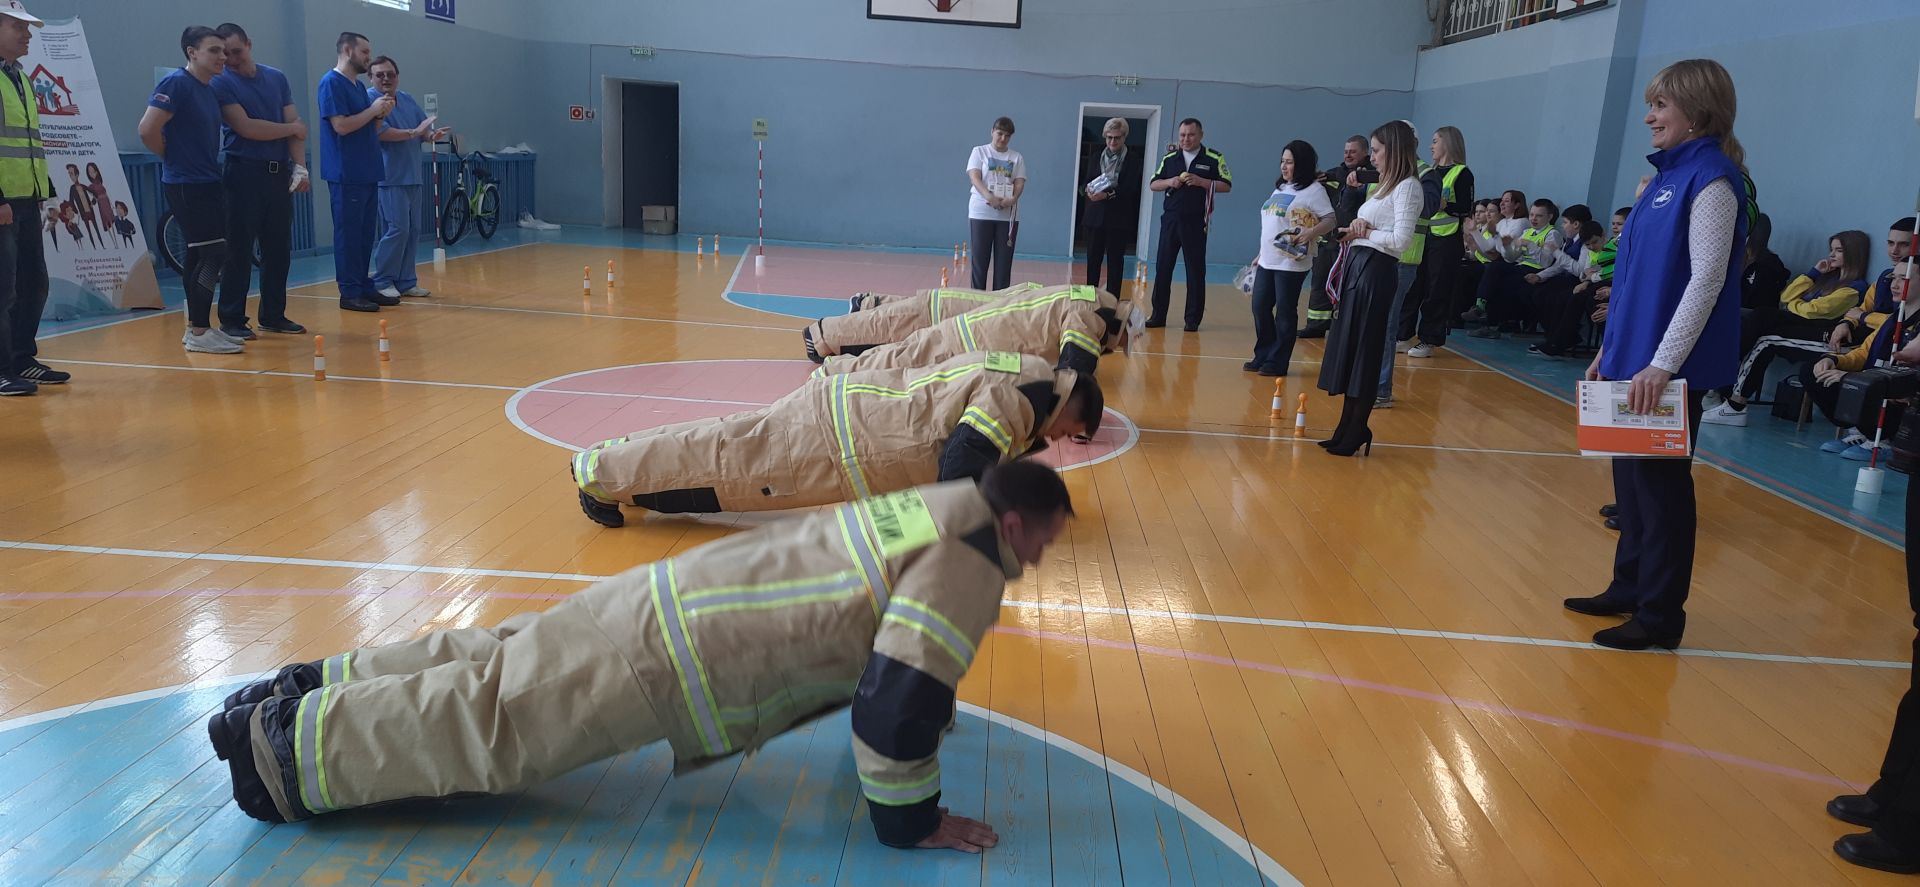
x=924, y=619
x=965, y=327
x=860, y=547
x=686, y=660
x=1076, y=337
x=785, y=697
x=947, y=375
x=978, y=419
x=843, y=433
x=320, y=747
x=773, y=595
x=899, y=794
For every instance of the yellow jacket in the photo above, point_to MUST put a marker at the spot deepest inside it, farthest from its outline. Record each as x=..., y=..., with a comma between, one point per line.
x=1832, y=306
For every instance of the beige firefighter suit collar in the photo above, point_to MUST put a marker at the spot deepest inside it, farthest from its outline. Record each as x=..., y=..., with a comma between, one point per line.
x=1063, y=380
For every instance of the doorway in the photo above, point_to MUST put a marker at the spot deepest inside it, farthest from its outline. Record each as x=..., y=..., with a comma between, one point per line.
x=649, y=149
x=1143, y=131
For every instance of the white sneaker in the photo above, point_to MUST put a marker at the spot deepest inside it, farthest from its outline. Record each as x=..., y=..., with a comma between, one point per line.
x=1401, y=346
x=1725, y=414
x=390, y=292
x=210, y=342
x=1420, y=350
x=417, y=292
x=1711, y=399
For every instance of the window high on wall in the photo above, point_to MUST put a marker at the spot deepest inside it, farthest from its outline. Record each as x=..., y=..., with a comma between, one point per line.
x=1466, y=19
x=406, y=5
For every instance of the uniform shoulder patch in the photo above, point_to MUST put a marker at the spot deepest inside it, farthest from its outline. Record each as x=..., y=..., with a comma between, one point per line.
x=1083, y=294
x=901, y=522
x=1003, y=361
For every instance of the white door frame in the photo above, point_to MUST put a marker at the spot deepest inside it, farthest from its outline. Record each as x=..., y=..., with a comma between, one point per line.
x=1143, y=248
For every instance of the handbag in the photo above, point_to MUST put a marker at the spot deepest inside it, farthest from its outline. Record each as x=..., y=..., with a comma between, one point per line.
x=1244, y=280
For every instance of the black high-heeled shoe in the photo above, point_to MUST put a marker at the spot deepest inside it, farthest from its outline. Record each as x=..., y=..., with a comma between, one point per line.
x=1364, y=441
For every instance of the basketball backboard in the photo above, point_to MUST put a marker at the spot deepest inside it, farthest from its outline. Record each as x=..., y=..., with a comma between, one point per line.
x=990, y=13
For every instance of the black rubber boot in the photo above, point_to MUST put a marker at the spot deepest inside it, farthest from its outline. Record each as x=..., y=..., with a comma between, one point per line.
x=233, y=742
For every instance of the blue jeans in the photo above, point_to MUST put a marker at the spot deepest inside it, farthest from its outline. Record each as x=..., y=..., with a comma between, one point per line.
x=394, y=256
x=355, y=215
x=1276, y=317
x=1400, y=289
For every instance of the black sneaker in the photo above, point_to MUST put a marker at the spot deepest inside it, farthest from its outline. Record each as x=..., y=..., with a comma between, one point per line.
x=806, y=335
x=41, y=374
x=282, y=326
x=383, y=300
x=853, y=302
x=358, y=305
x=231, y=735
x=14, y=386
x=240, y=331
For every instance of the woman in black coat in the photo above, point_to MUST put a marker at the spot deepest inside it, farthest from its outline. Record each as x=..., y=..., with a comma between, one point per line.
x=1111, y=214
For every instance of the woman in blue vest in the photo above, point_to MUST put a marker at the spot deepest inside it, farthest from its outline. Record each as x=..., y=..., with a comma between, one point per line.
x=1674, y=314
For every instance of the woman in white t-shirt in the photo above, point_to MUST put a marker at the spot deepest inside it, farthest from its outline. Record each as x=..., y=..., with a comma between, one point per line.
x=999, y=174
x=1291, y=222
x=1369, y=276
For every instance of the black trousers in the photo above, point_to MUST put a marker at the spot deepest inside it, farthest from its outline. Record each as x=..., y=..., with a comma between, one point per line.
x=200, y=210
x=1440, y=272
x=1653, y=561
x=1181, y=234
x=1781, y=322
x=23, y=285
x=259, y=209
x=1898, y=788
x=992, y=245
x=1826, y=398
x=1107, y=246
x=1319, y=302
x=1562, y=312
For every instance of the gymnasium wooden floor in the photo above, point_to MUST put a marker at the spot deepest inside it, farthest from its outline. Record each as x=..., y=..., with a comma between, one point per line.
x=1250, y=662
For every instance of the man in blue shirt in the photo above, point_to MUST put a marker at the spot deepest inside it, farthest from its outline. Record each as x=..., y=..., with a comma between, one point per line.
x=400, y=136
x=265, y=144
x=182, y=126
x=350, y=162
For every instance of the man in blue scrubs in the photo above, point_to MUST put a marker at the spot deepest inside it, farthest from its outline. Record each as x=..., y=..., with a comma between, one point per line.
x=401, y=134
x=350, y=162
x=265, y=144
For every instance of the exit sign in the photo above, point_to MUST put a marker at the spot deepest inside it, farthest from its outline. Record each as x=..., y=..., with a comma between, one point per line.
x=440, y=10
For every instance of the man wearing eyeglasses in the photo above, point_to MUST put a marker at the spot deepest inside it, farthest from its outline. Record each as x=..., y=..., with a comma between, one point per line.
x=401, y=134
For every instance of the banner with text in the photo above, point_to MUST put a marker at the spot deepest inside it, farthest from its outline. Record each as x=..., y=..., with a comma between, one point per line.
x=97, y=258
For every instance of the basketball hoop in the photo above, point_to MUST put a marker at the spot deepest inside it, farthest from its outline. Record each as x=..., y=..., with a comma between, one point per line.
x=943, y=5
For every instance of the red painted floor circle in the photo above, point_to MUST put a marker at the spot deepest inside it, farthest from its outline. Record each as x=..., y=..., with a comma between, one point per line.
x=580, y=409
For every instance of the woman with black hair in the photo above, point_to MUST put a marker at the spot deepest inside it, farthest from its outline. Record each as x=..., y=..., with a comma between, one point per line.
x=1291, y=221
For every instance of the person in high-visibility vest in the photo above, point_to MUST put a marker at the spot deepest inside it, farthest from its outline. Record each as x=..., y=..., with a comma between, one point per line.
x=1532, y=251
x=879, y=605
x=1433, y=307
x=1405, y=275
x=23, y=185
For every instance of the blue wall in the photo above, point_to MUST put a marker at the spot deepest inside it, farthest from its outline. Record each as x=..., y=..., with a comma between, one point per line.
x=871, y=153
x=1826, y=105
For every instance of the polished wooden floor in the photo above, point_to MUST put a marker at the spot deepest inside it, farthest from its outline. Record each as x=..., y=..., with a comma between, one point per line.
x=1357, y=666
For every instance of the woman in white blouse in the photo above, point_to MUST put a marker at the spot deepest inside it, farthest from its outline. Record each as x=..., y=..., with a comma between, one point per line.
x=1369, y=273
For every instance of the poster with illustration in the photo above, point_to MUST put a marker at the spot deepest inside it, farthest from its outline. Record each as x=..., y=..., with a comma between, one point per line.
x=97, y=258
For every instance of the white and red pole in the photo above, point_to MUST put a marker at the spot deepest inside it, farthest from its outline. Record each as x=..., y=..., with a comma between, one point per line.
x=760, y=172
x=439, y=249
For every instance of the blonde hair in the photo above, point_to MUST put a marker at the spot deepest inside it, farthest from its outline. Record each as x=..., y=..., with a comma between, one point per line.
x=1116, y=123
x=1398, y=140
x=1455, y=143
x=1703, y=91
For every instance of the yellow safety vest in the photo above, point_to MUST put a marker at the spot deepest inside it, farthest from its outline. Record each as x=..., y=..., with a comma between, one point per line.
x=1537, y=237
x=1444, y=225
x=23, y=160
x=1479, y=256
x=1416, y=250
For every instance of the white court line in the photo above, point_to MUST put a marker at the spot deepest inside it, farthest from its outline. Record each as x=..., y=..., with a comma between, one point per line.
x=1288, y=437
x=1310, y=362
x=428, y=303
x=166, y=312
x=387, y=566
x=332, y=377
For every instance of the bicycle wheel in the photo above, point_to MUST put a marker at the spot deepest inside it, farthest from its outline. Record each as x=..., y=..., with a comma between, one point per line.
x=453, y=218
x=173, y=243
x=488, y=219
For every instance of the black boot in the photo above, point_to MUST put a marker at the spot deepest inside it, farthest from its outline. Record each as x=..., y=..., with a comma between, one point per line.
x=232, y=741
x=605, y=514
x=293, y=680
x=1861, y=810
x=806, y=336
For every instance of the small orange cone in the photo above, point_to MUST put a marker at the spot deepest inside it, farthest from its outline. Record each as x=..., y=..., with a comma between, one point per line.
x=586, y=280
x=1300, y=417
x=943, y=277
x=319, y=358
x=1278, y=410
x=609, y=272
x=384, y=347
x=700, y=247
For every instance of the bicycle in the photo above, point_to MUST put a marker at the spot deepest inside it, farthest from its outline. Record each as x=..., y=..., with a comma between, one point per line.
x=173, y=244
x=478, y=202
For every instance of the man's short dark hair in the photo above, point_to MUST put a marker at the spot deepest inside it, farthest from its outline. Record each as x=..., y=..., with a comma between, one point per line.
x=1003, y=124
x=229, y=29
x=383, y=60
x=1624, y=211
x=1551, y=208
x=1590, y=229
x=1577, y=212
x=347, y=39
x=1028, y=488
x=192, y=36
x=1904, y=223
x=1195, y=121
x=1093, y=403
x=1356, y=139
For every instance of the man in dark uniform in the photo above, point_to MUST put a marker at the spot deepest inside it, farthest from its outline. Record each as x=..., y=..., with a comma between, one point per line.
x=1346, y=205
x=1190, y=175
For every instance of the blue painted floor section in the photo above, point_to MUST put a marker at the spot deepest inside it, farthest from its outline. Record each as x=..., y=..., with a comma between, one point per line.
x=1768, y=452
x=132, y=793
